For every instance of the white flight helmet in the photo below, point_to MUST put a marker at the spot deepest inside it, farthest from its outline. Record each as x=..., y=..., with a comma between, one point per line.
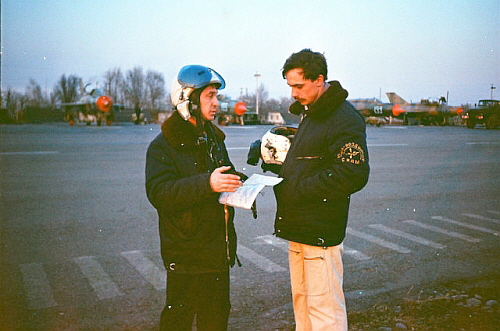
x=275, y=144
x=190, y=78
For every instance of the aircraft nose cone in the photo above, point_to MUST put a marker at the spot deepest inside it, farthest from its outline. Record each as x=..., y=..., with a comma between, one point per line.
x=397, y=110
x=104, y=103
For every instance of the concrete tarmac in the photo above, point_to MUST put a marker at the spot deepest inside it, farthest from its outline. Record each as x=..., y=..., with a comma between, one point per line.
x=80, y=248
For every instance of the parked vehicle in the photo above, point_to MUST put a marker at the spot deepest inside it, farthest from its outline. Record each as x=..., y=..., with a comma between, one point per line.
x=486, y=112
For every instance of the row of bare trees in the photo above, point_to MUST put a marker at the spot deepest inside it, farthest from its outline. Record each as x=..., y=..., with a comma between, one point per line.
x=137, y=89
x=132, y=89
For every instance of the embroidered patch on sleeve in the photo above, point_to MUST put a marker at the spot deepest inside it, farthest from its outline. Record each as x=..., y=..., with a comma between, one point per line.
x=351, y=153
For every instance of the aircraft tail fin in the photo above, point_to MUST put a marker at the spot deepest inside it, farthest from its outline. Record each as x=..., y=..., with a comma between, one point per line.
x=395, y=98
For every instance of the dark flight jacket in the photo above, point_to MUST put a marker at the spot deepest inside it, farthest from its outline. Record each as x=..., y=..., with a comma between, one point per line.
x=191, y=220
x=326, y=163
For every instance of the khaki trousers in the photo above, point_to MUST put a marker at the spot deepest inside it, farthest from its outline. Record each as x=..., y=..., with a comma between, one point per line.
x=318, y=298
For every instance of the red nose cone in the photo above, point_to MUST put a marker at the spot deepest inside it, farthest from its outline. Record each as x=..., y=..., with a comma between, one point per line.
x=240, y=108
x=397, y=110
x=104, y=103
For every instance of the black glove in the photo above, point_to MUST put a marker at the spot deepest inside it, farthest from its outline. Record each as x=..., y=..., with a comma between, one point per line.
x=254, y=153
x=274, y=168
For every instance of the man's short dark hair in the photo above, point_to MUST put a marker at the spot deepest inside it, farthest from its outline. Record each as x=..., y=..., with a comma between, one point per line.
x=312, y=63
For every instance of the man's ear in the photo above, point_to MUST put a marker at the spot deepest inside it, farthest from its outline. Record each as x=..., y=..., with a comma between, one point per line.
x=320, y=80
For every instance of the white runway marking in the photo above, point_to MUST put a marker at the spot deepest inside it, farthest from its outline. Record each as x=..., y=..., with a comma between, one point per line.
x=150, y=271
x=355, y=254
x=386, y=145
x=283, y=245
x=466, y=225
x=274, y=241
x=100, y=281
x=482, y=218
x=379, y=241
x=408, y=236
x=259, y=260
x=36, y=286
x=483, y=143
x=443, y=231
x=238, y=148
x=30, y=153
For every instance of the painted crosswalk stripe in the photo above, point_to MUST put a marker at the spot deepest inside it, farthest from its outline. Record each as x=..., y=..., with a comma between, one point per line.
x=283, y=245
x=274, y=241
x=443, y=231
x=237, y=148
x=259, y=260
x=100, y=281
x=36, y=286
x=386, y=145
x=151, y=272
x=482, y=218
x=482, y=143
x=465, y=225
x=355, y=254
x=402, y=234
x=378, y=241
x=30, y=153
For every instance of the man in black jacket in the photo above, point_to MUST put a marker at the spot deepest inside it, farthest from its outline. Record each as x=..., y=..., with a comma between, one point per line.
x=326, y=163
x=187, y=167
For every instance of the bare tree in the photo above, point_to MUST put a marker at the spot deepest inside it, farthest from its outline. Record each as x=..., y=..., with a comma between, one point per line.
x=113, y=82
x=155, y=87
x=285, y=103
x=272, y=105
x=263, y=94
x=14, y=102
x=133, y=88
x=66, y=89
x=34, y=95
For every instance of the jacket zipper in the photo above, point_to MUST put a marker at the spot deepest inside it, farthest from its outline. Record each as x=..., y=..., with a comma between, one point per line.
x=226, y=219
x=308, y=158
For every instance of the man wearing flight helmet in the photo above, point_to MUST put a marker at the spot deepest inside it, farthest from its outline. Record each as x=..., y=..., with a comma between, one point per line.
x=187, y=167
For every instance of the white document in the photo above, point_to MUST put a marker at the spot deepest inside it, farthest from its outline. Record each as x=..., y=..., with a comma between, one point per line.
x=245, y=195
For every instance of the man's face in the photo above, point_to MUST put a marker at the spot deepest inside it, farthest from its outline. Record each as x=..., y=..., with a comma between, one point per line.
x=304, y=90
x=209, y=103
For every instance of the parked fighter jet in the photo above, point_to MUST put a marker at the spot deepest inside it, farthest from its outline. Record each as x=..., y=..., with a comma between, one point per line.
x=375, y=111
x=93, y=106
x=427, y=112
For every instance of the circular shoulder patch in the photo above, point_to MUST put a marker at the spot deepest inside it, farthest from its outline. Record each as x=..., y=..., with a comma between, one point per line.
x=351, y=153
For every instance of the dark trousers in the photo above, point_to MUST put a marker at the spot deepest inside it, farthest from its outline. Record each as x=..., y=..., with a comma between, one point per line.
x=201, y=296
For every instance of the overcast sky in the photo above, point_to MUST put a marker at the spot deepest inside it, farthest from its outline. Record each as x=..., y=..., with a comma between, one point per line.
x=418, y=49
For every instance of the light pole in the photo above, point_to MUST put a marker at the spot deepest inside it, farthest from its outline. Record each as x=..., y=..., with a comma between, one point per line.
x=491, y=94
x=257, y=93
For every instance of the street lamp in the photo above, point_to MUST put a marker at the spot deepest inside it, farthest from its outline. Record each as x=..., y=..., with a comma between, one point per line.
x=257, y=93
x=491, y=94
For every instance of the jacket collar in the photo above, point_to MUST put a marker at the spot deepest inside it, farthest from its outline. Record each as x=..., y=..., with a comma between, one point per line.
x=183, y=134
x=330, y=100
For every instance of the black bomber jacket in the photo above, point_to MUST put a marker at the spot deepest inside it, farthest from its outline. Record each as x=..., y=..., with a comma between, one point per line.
x=191, y=219
x=326, y=163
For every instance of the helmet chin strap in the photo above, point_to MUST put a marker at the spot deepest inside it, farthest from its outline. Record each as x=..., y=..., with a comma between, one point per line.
x=197, y=120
